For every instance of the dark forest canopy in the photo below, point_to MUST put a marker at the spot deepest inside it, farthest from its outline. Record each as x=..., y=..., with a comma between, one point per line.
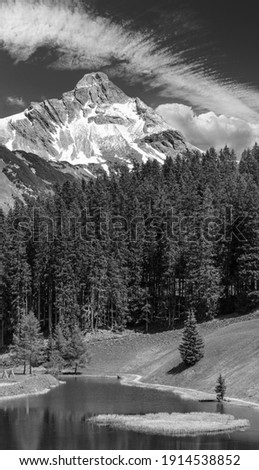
x=137, y=248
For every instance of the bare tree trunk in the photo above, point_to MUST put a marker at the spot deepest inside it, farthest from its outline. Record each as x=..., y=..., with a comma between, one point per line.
x=39, y=304
x=26, y=300
x=146, y=323
x=50, y=313
x=92, y=310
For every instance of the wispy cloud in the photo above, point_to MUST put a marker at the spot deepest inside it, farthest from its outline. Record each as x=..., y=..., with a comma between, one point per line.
x=84, y=40
x=15, y=101
x=208, y=129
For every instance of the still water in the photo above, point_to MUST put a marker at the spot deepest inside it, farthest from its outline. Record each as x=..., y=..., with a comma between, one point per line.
x=59, y=419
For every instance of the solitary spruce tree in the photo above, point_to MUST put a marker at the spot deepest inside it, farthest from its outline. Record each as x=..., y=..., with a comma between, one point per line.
x=55, y=362
x=220, y=388
x=192, y=345
x=28, y=344
x=76, y=355
x=69, y=349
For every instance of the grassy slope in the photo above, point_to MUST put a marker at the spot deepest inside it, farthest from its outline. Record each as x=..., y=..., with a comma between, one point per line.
x=27, y=385
x=232, y=348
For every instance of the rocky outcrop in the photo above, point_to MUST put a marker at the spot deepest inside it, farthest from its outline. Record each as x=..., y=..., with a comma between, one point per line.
x=94, y=124
x=167, y=142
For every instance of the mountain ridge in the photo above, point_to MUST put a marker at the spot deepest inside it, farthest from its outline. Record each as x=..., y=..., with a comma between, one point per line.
x=92, y=127
x=95, y=123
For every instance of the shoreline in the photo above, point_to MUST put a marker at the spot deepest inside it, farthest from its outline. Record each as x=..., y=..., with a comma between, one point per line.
x=132, y=380
x=30, y=386
x=25, y=395
x=41, y=384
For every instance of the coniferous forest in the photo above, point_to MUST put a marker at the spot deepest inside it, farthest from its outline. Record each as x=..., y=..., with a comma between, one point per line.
x=137, y=248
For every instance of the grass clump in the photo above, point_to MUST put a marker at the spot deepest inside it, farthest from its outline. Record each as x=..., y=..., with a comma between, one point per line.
x=174, y=423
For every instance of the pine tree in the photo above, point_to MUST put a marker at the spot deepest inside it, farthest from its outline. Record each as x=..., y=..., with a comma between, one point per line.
x=76, y=355
x=17, y=271
x=249, y=163
x=28, y=345
x=1, y=278
x=60, y=342
x=192, y=345
x=204, y=280
x=56, y=345
x=246, y=253
x=69, y=348
x=220, y=388
x=117, y=294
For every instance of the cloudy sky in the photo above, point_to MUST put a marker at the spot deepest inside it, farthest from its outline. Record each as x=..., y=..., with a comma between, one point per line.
x=194, y=60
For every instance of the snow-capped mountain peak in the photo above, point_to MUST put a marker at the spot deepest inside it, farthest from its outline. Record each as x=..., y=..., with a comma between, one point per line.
x=94, y=124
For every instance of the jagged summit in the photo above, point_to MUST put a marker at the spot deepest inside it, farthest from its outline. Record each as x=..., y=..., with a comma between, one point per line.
x=94, y=124
x=96, y=88
x=89, y=79
x=98, y=79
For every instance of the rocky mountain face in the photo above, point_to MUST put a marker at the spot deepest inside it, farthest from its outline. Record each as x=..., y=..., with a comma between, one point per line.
x=91, y=127
x=25, y=174
x=94, y=124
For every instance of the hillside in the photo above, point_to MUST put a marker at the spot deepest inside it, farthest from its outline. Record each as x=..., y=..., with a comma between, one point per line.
x=232, y=348
x=26, y=174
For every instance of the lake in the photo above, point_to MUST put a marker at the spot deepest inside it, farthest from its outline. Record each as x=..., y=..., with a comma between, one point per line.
x=59, y=419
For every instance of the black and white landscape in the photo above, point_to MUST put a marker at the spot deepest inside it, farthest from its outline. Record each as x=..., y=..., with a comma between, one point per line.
x=129, y=205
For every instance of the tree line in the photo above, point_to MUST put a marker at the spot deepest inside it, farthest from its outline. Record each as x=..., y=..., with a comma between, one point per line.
x=137, y=248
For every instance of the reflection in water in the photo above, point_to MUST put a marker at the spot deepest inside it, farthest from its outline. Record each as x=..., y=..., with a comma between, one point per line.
x=28, y=427
x=59, y=419
x=220, y=408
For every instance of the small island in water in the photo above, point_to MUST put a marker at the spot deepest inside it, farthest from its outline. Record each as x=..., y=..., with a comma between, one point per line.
x=174, y=423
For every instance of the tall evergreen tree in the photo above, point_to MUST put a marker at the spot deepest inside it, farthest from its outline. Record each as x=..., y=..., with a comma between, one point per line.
x=247, y=249
x=28, y=345
x=69, y=348
x=204, y=277
x=17, y=276
x=220, y=388
x=192, y=345
x=76, y=355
